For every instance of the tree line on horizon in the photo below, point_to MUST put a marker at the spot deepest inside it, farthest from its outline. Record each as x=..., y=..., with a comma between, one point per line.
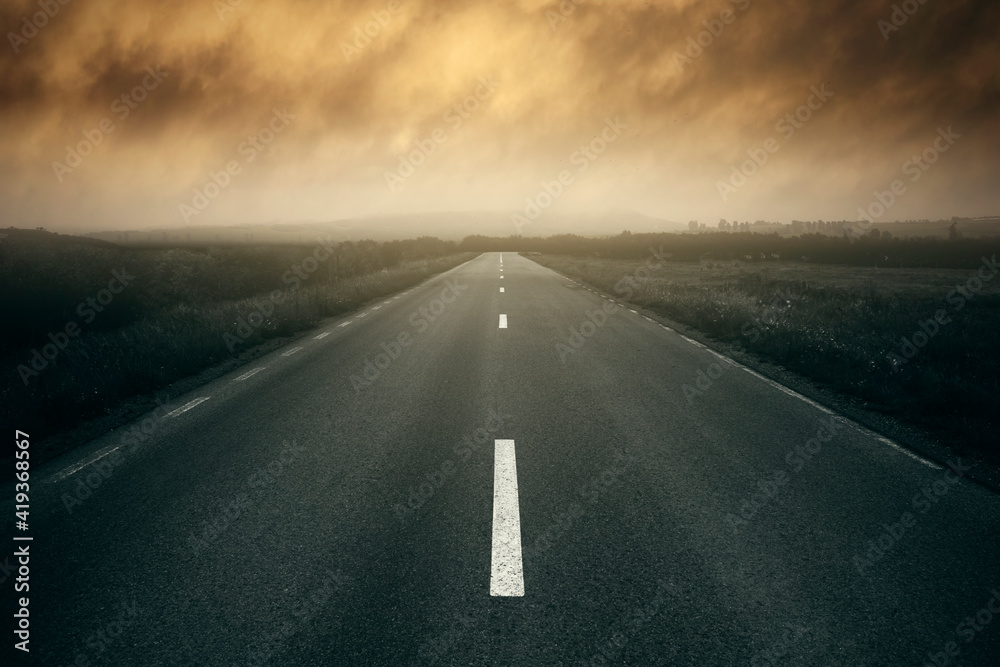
x=870, y=250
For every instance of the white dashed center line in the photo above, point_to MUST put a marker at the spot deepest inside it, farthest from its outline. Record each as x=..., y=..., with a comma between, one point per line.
x=376, y=307
x=503, y=321
x=501, y=290
x=249, y=373
x=506, y=575
x=322, y=335
x=291, y=352
x=345, y=323
x=188, y=406
x=362, y=315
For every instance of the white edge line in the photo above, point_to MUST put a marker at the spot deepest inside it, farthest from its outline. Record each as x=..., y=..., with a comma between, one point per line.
x=858, y=427
x=722, y=357
x=809, y=401
x=100, y=455
x=184, y=408
x=249, y=373
x=693, y=342
x=886, y=441
x=790, y=392
x=80, y=466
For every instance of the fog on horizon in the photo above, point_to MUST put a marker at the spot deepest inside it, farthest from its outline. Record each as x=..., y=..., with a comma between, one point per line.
x=490, y=105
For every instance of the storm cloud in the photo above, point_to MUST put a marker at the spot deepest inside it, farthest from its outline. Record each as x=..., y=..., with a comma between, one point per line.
x=367, y=88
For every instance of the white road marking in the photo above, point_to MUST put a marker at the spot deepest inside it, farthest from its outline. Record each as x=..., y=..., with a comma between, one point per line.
x=693, y=342
x=722, y=357
x=387, y=302
x=501, y=277
x=501, y=290
x=887, y=441
x=185, y=408
x=360, y=315
x=80, y=466
x=503, y=321
x=790, y=392
x=248, y=374
x=345, y=323
x=376, y=307
x=506, y=573
x=291, y=352
x=395, y=297
x=632, y=311
x=322, y=335
x=822, y=408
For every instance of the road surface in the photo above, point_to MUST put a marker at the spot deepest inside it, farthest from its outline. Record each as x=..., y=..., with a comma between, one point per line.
x=503, y=467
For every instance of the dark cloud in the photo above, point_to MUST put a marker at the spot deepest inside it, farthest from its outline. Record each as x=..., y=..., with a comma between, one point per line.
x=559, y=80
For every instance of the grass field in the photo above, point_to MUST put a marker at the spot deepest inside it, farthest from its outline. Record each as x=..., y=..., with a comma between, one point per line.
x=843, y=327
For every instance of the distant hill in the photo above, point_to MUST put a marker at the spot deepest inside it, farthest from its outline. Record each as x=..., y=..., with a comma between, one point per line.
x=447, y=225
x=26, y=237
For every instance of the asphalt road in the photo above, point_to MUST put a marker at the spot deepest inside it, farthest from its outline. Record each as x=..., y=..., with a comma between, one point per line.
x=658, y=506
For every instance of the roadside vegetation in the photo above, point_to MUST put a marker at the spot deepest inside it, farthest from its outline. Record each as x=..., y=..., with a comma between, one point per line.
x=89, y=324
x=871, y=251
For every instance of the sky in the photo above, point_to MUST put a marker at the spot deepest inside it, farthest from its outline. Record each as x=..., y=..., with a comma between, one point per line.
x=137, y=114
